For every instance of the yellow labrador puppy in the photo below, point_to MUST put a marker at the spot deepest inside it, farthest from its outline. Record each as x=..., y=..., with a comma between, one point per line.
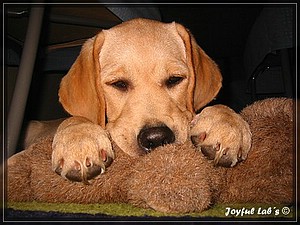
x=139, y=85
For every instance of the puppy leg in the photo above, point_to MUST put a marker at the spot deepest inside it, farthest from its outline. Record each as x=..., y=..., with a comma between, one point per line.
x=81, y=150
x=221, y=135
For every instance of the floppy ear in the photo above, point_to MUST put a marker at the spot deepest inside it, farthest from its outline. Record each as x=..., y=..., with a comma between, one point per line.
x=206, y=79
x=80, y=91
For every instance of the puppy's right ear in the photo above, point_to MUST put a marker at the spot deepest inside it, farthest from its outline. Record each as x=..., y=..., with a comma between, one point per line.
x=80, y=91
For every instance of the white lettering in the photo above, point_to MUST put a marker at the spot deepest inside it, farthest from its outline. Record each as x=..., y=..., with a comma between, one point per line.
x=239, y=212
x=262, y=211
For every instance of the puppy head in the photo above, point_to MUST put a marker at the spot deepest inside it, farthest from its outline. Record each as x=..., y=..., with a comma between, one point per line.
x=140, y=74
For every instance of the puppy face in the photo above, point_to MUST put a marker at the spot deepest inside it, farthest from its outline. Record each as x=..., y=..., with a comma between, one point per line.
x=145, y=79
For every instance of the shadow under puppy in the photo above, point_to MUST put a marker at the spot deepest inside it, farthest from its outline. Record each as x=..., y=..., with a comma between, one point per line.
x=175, y=177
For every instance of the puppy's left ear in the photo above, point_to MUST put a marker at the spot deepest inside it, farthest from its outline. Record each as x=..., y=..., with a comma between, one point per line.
x=206, y=78
x=80, y=92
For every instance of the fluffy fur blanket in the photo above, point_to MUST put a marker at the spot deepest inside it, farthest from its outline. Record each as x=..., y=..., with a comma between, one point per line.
x=173, y=178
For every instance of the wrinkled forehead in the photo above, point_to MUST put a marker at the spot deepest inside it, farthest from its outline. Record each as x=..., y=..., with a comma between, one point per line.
x=141, y=41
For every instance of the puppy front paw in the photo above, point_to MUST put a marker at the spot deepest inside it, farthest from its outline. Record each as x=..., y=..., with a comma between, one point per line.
x=222, y=135
x=81, y=150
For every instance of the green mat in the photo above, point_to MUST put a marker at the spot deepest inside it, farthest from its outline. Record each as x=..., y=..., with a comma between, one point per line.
x=221, y=211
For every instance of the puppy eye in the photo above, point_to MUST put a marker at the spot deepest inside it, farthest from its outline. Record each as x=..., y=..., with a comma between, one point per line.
x=173, y=81
x=121, y=85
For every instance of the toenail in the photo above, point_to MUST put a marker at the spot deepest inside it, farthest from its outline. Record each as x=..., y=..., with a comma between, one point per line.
x=88, y=162
x=103, y=155
x=77, y=166
x=58, y=169
x=202, y=136
x=61, y=163
x=217, y=147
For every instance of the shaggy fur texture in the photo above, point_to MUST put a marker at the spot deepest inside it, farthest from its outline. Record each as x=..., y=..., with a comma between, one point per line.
x=173, y=178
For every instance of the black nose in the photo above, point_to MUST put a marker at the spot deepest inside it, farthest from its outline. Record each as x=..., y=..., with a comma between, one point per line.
x=153, y=137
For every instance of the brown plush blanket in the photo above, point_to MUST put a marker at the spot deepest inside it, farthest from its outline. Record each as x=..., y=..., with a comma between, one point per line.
x=174, y=178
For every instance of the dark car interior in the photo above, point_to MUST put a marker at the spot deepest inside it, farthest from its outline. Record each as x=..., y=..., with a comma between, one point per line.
x=253, y=44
